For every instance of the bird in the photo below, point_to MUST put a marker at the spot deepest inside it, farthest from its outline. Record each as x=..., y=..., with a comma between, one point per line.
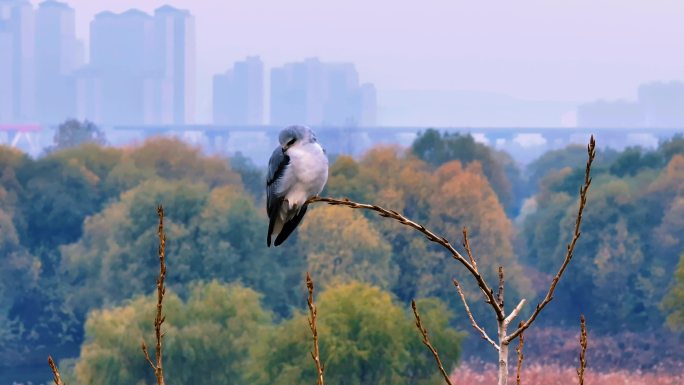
x=297, y=171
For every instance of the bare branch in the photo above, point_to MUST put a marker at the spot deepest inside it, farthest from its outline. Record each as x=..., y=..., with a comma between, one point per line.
x=426, y=342
x=313, y=312
x=159, y=318
x=515, y=311
x=591, y=152
x=466, y=246
x=500, y=295
x=477, y=327
x=583, y=351
x=55, y=372
x=521, y=356
x=489, y=293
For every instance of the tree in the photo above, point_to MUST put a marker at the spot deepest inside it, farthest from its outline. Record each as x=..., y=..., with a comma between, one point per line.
x=366, y=338
x=252, y=176
x=208, y=338
x=356, y=252
x=113, y=241
x=673, y=303
x=463, y=197
x=19, y=275
x=446, y=198
x=554, y=160
x=73, y=133
x=495, y=301
x=437, y=149
x=170, y=158
x=213, y=234
x=631, y=242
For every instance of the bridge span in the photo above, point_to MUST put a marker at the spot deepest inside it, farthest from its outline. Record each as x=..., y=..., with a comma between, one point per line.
x=257, y=142
x=524, y=143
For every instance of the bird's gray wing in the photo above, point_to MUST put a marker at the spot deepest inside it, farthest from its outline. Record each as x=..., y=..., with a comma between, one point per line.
x=276, y=168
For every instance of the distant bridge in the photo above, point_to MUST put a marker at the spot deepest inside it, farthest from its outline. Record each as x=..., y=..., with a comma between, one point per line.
x=527, y=142
x=13, y=135
x=524, y=143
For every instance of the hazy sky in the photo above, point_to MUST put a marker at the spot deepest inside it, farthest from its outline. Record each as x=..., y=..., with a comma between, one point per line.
x=570, y=50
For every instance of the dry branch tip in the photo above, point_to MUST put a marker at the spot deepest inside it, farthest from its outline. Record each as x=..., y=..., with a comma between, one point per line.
x=55, y=372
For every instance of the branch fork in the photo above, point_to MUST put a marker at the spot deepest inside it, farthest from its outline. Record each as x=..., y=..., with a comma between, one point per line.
x=496, y=302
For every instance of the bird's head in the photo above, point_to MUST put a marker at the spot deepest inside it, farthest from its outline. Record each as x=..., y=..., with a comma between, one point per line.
x=295, y=135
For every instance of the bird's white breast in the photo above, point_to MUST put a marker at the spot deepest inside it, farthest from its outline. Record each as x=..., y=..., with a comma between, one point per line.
x=306, y=174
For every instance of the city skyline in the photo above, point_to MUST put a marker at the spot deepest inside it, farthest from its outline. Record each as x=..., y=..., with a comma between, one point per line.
x=515, y=78
x=238, y=93
x=491, y=52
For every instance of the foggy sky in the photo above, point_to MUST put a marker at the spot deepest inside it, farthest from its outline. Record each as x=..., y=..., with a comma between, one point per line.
x=551, y=50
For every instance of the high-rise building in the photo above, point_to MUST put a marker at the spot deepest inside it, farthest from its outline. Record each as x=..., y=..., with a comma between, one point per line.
x=142, y=68
x=369, y=104
x=6, y=73
x=176, y=52
x=612, y=114
x=56, y=59
x=312, y=92
x=662, y=104
x=238, y=95
x=121, y=57
x=17, y=19
x=659, y=104
x=288, y=94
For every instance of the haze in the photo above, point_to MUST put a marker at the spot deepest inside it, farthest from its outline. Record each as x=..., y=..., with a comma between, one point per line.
x=552, y=51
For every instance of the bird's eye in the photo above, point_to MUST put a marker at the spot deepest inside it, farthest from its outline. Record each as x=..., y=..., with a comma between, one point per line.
x=291, y=142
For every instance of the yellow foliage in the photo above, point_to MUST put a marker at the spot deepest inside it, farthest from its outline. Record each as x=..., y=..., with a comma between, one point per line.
x=342, y=244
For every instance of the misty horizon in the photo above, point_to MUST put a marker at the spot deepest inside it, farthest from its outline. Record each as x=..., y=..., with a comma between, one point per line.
x=587, y=52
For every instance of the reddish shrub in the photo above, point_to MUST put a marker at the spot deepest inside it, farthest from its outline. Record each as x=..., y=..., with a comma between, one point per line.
x=537, y=374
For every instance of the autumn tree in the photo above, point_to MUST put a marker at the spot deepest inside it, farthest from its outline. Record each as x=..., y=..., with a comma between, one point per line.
x=357, y=251
x=446, y=199
x=437, y=149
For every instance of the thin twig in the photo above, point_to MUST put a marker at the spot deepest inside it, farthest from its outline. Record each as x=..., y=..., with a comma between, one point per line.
x=511, y=316
x=591, y=151
x=477, y=327
x=466, y=246
x=160, y=317
x=583, y=351
x=521, y=356
x=55, y=372
x=500, y=295
x=489, y=293
x=426, y=342
x=313, y=312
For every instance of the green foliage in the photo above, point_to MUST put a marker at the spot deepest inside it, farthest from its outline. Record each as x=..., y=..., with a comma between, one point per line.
x=253, y=178
x=51, y=200
x=673, y=303
x=73, y=133
x=634, y=159
x=437, y=149
x=208, y=338
x=673, y=146
x=570, y=156
x=78, y=233
x=18, y=276
x=365, y=338
x=356, y=252
x=630, y=240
